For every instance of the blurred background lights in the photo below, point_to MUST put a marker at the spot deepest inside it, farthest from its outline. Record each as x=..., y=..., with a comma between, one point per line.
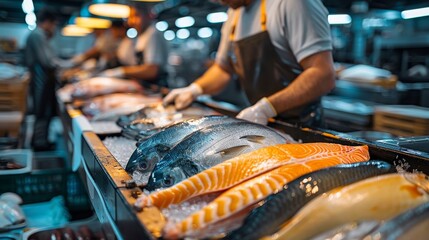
x=169, y=35
x=184, y=22
x=132, y=33
x=217, y=17
x=205, y=32
x=183, y=33
x=161, y=26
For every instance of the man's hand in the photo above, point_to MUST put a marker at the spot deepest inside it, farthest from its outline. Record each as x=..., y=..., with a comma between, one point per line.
x=258, y=113
x=183, y=97
x=113, y=73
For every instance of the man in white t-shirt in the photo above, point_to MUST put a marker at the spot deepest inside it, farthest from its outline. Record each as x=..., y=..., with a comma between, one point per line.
x=281, y=52
x=146, y=58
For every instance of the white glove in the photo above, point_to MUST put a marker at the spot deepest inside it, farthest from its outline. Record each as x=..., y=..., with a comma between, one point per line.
x=258, y=113
x=183, y=97
x=113, y=73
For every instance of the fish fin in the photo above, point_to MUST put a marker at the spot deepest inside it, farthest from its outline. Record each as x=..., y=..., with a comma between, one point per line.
x=421, y=180
x=254, y=138
x=234, y=151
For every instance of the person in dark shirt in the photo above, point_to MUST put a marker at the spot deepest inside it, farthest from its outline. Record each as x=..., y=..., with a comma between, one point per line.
x=42, y=63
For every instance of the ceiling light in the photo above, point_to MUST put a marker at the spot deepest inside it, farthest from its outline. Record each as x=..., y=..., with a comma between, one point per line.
x=105, y=8
x=415, y=13
x=27, y=6
x=30, y=18
x=91, y=22
x=161, y=26
x=75, y=31
x=169, y=35
x=184, y=22
x=132, y=33
x=205, y=32
x=183, y=33
x=339, y=19
x=32, y=27
x=217, y=17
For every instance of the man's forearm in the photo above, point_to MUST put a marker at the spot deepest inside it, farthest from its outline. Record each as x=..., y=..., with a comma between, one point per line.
x=213, y=80
x=317, y=79
x=145, y=71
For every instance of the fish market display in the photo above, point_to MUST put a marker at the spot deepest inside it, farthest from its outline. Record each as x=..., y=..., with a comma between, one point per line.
x=241, y=168
x=154, y=118
x=208, y=147
x=254, y=190
x=378, y=198
x=412, y=224
x=111, y=106
x=101, y=86
x=150, y=151
x=280, y=207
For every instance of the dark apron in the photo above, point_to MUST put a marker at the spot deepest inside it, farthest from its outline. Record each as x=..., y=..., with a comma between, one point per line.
x=262, y=73
x=42, y=88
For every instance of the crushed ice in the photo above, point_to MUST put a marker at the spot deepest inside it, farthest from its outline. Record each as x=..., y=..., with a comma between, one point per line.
x=121, y=148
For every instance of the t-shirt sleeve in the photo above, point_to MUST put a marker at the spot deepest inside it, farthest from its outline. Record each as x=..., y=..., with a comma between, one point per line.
x=224, y=45
x=307, y=27
x=156, y=51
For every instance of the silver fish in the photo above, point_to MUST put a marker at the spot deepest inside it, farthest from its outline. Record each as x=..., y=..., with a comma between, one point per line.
x=151, y=150
x=208, y=147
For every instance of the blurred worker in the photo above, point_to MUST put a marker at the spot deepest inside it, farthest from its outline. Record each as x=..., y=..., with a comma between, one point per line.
x=147, y=57
x=42, y=63
x=281, y=51
x=105, y=47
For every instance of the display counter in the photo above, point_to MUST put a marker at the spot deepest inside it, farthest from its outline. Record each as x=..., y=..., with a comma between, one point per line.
x=113, y=192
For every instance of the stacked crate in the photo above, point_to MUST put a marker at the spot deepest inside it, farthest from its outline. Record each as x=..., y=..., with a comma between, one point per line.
x=403, y=120
x=13, y=99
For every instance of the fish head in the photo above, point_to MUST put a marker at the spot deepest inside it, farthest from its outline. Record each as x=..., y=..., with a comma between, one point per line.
x=171, y=174
x=142, y=161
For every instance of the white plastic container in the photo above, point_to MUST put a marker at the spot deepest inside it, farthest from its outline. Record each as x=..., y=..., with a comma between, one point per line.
x=23, y=157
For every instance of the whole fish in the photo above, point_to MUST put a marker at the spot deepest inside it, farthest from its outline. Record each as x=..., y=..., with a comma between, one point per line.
x=150, y=151
x=208, y=147
x=244, y=195
x=412, y=224
x=244, y=167
x=377, y=198
x=280, y=207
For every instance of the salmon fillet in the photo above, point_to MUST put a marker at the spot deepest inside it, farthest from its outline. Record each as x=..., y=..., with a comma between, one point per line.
x=252, y=191
x=241, y=168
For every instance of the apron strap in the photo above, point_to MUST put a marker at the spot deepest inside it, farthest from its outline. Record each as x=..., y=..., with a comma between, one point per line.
x=263, y=20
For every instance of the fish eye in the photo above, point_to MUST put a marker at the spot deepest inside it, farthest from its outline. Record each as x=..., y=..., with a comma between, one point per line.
x=168, y=180
x=144, y=166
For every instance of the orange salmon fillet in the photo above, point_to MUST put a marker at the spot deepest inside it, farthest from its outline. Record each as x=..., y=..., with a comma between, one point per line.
x=241, y=168
x=256, y=189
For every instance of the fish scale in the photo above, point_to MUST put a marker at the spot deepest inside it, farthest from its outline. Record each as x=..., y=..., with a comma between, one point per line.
x=239, y=197
x=243, y=167
x=280, y=207
x=149, y=152
x=208, y=147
